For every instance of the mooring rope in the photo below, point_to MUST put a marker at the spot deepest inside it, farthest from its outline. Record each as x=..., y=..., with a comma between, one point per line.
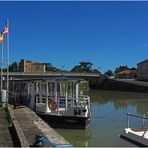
x=42, y=140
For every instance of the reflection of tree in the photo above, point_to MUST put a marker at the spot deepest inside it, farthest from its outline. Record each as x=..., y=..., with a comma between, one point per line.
x=78, y=138
x=98, y=97
x=142, y=108
x=121, y=100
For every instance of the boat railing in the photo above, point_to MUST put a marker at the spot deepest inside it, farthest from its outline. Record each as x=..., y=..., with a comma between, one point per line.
x=64, y=103
x=138, y=121
x=41, y=99
x=73, y=102
x=82, y=101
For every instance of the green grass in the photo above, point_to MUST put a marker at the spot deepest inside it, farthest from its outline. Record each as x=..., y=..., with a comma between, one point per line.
x=4, y=127
x=2, y=110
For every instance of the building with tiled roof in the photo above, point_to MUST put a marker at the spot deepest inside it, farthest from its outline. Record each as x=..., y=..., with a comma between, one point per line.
x=127, y=74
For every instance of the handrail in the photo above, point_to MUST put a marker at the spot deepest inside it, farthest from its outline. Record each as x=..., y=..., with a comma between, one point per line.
x=40, y=99
x=136, y=116
x=128, y=121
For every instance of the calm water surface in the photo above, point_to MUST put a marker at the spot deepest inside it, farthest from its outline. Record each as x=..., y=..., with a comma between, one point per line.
x=108, y=118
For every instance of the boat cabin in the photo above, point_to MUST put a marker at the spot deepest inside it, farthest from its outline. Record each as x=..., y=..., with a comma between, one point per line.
x=59, y=96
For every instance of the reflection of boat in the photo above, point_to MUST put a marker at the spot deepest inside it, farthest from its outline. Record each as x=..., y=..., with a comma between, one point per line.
x=58, y=101
x=138, y=135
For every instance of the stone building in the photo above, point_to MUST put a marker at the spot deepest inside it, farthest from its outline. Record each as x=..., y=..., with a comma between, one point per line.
x=30, y=66
x=142, y=70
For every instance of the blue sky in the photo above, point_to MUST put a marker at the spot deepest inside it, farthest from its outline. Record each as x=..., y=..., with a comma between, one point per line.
x=108, y=34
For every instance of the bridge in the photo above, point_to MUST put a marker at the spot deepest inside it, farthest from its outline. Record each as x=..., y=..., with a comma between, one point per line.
x=21, y=75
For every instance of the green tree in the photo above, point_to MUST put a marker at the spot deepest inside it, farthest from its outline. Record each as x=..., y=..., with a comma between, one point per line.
x=14, y=67
x=95, y=70
x=77, y=68
x=109, y=72
x=83, y=67
x=86, y=66
x=49, y=67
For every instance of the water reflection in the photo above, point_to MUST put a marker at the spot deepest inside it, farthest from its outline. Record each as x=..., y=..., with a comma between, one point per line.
x=77, y=137
x=121, y=100
x=108, y=118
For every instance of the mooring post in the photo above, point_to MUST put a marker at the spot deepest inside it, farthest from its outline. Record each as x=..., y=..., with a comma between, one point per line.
x=128, y=120
x=143, y=119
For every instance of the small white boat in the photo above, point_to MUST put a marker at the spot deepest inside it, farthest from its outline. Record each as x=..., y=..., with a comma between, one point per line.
x=60, y=102
x=138, y=135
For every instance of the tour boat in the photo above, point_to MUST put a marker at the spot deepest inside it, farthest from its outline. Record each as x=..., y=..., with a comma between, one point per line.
x=60, y=102
x=138, y=135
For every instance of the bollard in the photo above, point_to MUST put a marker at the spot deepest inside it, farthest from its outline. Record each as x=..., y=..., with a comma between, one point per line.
x=128, y=120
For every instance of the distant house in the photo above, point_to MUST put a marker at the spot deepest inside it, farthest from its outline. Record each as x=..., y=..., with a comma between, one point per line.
x=142, y=70
x=30, y=66
x=127, y=74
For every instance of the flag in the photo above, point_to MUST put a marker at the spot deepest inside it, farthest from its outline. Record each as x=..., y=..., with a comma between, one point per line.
x=1, y=38
x=5, y=31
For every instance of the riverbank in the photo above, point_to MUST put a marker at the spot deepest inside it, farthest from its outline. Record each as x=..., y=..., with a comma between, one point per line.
x=23, y=127
x=5, y=125
x=121, y=85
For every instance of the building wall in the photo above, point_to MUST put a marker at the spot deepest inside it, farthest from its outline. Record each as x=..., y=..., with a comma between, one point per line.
x=30, y=66
x=142, y=70
x=36, y=67
x=126, y=74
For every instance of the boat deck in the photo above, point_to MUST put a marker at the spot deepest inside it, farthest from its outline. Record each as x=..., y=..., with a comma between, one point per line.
x=142, y=132
x=138, y=129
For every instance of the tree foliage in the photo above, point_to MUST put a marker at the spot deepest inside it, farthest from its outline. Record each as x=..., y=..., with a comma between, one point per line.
x=109, y=72
x=84, y=67
x=14, y=67
x=49, y=67
x=95, y=71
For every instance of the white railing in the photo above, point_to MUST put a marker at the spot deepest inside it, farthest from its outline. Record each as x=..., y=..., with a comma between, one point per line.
x=65, y=103
x=142, y=122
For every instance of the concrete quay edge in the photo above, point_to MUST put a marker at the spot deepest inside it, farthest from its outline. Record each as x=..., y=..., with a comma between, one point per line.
x=17, y=129
x=47, y=131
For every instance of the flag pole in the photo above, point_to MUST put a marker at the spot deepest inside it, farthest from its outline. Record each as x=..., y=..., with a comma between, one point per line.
x=7, y=58
x=2, y=68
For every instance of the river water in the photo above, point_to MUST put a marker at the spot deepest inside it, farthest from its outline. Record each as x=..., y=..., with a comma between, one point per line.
x=108, y=118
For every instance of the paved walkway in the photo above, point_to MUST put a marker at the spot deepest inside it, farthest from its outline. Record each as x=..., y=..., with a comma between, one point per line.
x=5, y=137
x=26, y=124
x=31, y=125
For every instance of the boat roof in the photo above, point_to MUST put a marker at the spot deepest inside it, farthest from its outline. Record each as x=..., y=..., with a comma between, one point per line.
x=60, y=79
x=50, y=79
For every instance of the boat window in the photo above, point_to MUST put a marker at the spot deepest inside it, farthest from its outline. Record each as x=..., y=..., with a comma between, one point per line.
x=71, y=89
x=51, y=89
x=37, y=87
x=61, y=90
x=44, y=89
x=84, y=88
